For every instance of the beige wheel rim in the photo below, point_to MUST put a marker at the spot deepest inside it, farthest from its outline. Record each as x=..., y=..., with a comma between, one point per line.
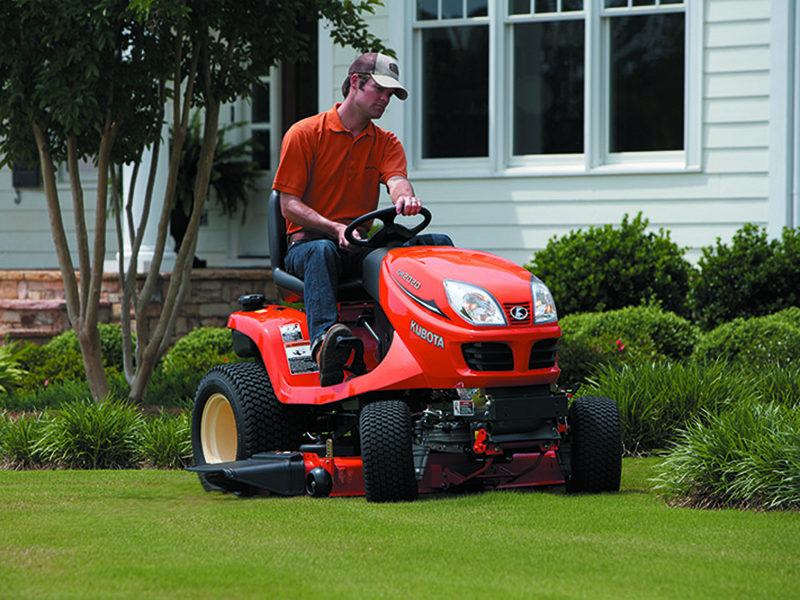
x=218, y=430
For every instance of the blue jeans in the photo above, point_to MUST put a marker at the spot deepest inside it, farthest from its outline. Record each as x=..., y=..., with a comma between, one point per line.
x=320, y=264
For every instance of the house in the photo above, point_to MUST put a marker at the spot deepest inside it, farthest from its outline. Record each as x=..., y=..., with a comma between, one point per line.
x=530, y=118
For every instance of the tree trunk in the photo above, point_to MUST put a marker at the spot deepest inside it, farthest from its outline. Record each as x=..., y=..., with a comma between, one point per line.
x=180, y=281
x=150, y=347
x=83, y=322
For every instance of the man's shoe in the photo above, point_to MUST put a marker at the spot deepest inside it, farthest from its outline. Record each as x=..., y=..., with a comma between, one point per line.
x=332, y=356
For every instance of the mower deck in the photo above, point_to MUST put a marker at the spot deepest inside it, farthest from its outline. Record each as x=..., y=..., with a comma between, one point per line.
x=295, y=473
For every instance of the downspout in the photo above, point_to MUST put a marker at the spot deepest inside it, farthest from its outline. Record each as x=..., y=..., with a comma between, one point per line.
x=794, y=69
x=784, y=182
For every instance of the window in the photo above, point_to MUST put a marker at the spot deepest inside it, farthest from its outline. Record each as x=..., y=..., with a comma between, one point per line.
x=455, y=69
x=646, y=75
x=588, y=83
x=261, y=125
x=548, y=77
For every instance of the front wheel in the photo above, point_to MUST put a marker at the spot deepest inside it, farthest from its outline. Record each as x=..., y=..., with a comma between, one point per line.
x=386, y=452
x=236, y=415
x=596, y=445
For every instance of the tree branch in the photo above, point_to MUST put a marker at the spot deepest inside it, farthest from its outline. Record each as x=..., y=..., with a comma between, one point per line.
x=84, y=260
x=57, y=226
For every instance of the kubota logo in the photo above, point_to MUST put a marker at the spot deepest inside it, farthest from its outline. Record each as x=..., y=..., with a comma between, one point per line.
x=426, y=335
x=519, y=313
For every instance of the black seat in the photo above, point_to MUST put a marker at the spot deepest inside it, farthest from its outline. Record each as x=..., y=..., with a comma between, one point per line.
x=350, y=289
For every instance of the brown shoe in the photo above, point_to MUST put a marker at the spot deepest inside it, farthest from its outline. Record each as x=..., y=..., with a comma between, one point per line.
x=332, y=356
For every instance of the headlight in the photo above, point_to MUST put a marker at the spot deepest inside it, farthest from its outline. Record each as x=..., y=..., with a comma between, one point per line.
x=544, y=307
x=473, y=304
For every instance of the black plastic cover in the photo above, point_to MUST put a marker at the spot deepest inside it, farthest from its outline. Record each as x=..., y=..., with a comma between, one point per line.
x=282, y=473
x=243, y=346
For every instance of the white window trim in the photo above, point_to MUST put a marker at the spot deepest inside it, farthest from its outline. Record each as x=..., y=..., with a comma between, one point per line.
x=242, y=108
x=595, y=160
x=273, y=126
x=689, y=157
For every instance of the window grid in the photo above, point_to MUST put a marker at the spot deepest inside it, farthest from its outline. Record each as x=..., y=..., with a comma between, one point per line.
x=596, y=152
x=438, y=11
x=641, y=4
x=544, y=7
x=262, y=113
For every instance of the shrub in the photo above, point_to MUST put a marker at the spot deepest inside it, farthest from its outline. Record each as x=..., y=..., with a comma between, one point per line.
x=87, y=435
x=657, y=400
x=49, y=396
x=175, y=389
x=751, y=278
x=607, y=268
x=627, y=336
x=753, y=342
x=580, y=355
x=778, y=383
x=11, y=373
x=45, y=365
x=199, y=350
x=748, y=457
x=20, y=435
x=184, y=366
x=790, y=316
x=110, y=344
x=166, y=441
x=92, y=435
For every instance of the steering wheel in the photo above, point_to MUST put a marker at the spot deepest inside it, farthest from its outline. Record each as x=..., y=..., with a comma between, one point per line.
x=390, y=232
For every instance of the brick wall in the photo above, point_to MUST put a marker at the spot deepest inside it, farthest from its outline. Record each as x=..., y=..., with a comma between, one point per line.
x=32, y=305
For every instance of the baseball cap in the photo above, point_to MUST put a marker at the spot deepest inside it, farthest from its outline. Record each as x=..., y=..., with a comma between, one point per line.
x=384, y=70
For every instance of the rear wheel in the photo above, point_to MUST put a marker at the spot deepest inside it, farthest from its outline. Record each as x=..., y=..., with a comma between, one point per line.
x=237, y=415
x=386, y=452
x=596, y=445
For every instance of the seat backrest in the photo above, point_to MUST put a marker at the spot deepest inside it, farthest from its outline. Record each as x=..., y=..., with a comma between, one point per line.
x=350, y=288
x=276, y=226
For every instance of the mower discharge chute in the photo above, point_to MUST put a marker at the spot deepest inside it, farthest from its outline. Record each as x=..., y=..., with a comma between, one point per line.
x=451, y=385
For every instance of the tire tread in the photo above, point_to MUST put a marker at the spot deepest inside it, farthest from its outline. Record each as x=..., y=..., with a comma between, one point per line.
x=387, y=453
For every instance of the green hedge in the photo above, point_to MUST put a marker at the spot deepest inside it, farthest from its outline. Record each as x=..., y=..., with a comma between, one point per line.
x=54, y=375
x=747, y=457
x=755, y=342
x=752, y=277
x=11, y=373
x=607, y=268
x=615, y=338
x=657, y=400
x=95, y=435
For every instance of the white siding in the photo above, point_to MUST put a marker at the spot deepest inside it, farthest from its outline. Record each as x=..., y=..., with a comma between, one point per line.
x=27, y=242
x=515, y=216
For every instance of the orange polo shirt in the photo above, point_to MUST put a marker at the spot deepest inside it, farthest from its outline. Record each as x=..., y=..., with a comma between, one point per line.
x=332, y=172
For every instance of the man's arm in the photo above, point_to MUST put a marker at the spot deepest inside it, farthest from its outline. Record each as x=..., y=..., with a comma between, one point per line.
x=402, y=194
x=298, y=212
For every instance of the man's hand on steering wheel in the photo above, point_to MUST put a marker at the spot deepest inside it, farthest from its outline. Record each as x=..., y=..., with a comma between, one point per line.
x=408, y=205
x=389, y=233
x=344, y=242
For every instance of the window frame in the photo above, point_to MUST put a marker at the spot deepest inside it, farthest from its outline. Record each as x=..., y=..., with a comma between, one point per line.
x=596, y=157
x=272, y=126
x=473, y=164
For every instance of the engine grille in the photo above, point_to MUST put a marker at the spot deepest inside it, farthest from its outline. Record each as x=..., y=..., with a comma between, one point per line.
x=518, y=313
x=498, y=356
x=488, y=356
x=543, y=354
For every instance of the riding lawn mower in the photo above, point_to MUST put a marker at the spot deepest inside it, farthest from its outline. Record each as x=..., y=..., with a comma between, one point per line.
x=452, y=384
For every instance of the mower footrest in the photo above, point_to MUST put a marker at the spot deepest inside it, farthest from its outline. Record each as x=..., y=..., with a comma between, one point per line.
x=356, y=345
x=282, y=473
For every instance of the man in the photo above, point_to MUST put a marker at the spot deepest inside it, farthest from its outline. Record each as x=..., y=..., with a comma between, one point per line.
x=330, y=173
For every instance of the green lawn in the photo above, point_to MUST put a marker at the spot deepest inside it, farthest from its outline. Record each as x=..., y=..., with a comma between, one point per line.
x=156, y=534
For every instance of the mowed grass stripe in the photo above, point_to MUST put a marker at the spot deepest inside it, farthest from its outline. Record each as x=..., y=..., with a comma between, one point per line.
x=134, y=534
